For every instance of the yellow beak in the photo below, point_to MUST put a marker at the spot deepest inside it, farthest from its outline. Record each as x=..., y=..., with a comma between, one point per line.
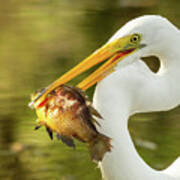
x=112, y=53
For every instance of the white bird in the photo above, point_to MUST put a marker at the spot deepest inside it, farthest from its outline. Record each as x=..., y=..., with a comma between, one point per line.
x=135, y=88
x=128, y=86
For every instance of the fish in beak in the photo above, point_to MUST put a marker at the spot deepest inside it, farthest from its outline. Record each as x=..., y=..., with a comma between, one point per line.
x=66, y=110
x=111, y=53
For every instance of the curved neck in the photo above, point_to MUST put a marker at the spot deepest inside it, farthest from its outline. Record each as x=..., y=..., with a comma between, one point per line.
x=169, y=62
x=123, y=162
x=168, y=55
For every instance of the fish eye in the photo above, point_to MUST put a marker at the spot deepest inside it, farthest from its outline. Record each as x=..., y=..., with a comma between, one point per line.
x=135, y=38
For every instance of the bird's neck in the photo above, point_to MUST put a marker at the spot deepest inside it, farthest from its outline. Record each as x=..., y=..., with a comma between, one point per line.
x=169, y=75
x=123, y=162
x=169, y=58
x=169, y=63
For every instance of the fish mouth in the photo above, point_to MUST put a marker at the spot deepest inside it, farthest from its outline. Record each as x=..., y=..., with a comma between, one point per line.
x=111, y=53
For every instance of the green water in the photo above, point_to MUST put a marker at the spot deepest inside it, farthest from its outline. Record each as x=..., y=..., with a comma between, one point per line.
x=42, y=39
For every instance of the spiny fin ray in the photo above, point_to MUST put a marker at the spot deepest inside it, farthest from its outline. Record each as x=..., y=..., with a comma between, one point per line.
x=66, y=140
x=50, y=133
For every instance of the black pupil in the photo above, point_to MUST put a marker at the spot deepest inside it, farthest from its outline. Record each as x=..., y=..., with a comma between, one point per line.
x=134, y=38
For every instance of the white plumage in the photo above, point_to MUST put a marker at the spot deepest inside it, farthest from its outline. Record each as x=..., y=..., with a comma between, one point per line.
x=133, y=88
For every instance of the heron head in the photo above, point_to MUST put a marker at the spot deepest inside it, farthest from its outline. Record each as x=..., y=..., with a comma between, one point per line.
x=157, y=33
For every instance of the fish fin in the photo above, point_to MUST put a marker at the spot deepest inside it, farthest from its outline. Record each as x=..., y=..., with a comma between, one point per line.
x=58, y=136
x=94, y=112
x=78, y=138
x=66, y=140
x=37, y=127
x=95, y=122
x=50, y=133
x=99, y=146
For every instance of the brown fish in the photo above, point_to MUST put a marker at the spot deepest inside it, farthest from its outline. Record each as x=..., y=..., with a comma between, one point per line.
x=69, y=113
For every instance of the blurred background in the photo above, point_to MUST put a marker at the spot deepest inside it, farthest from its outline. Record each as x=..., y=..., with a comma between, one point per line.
x=39, y=41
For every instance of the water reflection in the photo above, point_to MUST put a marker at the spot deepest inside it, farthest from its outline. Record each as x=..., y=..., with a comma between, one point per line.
x=41, y=40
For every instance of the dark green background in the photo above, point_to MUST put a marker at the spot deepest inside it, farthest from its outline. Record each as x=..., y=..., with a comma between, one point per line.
x=39, y=41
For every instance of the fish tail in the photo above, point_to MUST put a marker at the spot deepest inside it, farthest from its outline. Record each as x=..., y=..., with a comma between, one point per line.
x=99, y=146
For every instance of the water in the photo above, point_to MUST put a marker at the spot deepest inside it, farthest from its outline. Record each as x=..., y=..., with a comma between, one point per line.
x=40, y=40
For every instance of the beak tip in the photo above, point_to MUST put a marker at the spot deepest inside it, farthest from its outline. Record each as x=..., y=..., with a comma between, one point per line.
x=40, y=94
x=31, y=104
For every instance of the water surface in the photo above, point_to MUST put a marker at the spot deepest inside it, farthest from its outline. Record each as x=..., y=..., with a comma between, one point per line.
x=40, y=40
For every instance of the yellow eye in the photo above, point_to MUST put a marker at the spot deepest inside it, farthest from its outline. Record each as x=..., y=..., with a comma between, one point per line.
x=135, y=38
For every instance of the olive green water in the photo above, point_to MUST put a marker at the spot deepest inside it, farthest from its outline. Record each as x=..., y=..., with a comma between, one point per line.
x=42, y=39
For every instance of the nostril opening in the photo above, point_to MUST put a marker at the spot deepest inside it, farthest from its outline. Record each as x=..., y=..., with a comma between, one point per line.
x=152, y=62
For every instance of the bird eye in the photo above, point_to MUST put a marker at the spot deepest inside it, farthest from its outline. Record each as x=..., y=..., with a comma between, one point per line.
x=135, y=38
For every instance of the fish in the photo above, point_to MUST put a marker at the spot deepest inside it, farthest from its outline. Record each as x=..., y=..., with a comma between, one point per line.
x=68, y=112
